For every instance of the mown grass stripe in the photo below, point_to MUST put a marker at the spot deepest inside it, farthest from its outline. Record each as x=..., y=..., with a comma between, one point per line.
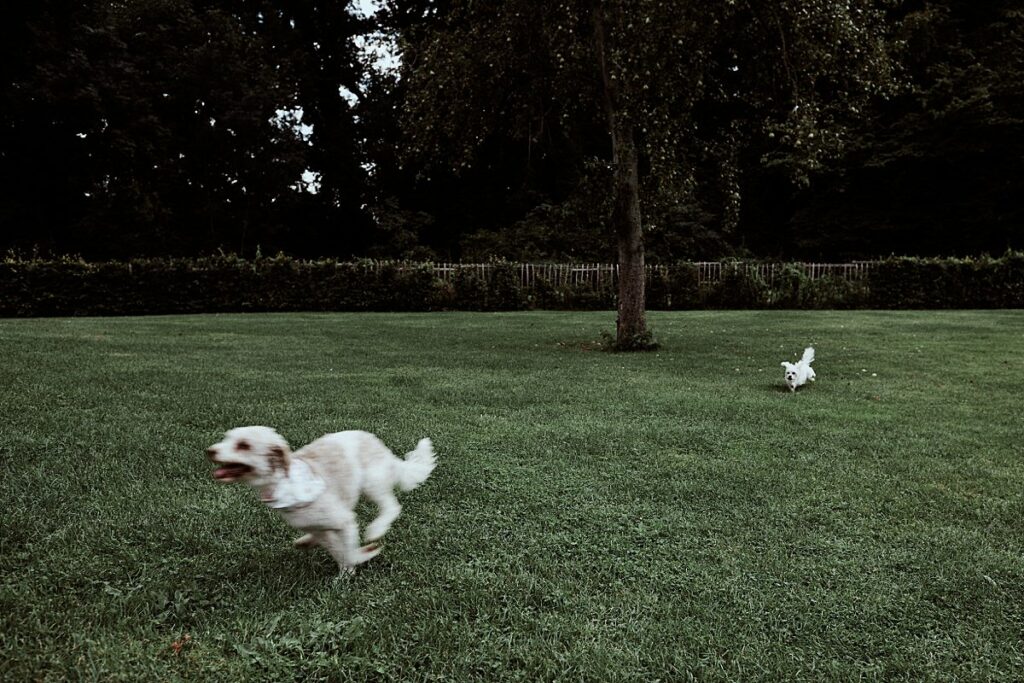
x=594, y=516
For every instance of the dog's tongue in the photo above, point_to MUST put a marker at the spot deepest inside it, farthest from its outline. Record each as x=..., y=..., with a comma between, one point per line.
x=221, y=473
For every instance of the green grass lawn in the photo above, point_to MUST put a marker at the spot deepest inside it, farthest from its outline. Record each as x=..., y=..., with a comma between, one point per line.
x=593, y=516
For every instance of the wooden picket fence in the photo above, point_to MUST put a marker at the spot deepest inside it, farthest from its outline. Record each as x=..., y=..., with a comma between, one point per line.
x=598, y=274
x=711, y=271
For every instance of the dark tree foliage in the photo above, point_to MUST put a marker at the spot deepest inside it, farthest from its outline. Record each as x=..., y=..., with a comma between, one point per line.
x=650, y=75
x=522, y=183
x=154, y=127
x=41, y=159
x=938, y=170
x=315, y=41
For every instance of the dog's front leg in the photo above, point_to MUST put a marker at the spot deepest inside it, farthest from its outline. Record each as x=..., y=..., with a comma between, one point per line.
x=338, y=545
x=343, y=545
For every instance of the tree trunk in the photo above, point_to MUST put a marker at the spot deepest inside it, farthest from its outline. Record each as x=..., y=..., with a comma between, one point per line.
x=632, y=320
x=631, y=326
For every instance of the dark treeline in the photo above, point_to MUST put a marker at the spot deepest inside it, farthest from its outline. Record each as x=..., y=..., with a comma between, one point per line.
x=170, y=127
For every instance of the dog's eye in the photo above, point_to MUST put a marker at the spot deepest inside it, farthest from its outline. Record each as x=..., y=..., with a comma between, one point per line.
x=242, y=446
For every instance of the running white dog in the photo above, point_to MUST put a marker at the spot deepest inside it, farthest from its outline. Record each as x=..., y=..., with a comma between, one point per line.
x=317, y=487
x=799, y=374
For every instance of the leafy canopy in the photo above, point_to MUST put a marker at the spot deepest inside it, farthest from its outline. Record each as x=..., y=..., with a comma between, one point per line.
x=685, y=75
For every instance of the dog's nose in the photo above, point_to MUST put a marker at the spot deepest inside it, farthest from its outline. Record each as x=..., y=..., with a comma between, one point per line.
x=211, y=452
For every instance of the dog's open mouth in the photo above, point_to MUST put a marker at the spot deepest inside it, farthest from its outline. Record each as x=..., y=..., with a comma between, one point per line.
x=231, y=471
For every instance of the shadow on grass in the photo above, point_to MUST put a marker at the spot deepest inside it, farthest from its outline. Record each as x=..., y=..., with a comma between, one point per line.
x=781, y=388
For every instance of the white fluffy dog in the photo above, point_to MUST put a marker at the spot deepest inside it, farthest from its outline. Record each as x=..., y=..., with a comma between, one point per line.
x=316, y=488
x=799, y=374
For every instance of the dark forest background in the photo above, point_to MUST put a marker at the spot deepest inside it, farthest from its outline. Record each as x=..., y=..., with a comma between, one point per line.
x=169, y=127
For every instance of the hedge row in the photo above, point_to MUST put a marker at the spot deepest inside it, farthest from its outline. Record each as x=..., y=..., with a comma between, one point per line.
x=228, y=284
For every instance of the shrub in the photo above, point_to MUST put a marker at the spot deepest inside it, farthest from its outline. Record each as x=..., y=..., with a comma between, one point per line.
x=739, y=287
x=226, y=283
x=792, y=288
x=504, y=290
x=684, y=286
x=983, y=282
x=470, y=290
x=659, y=289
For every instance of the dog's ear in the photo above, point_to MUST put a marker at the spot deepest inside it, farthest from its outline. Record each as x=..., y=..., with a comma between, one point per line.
x=785, y=364
x=278, y=459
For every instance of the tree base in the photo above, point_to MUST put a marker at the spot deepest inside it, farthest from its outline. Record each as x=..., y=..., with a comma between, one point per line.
x=643, y=341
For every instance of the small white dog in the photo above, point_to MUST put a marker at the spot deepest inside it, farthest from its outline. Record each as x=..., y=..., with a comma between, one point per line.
x=799, y=374
x=317, y=487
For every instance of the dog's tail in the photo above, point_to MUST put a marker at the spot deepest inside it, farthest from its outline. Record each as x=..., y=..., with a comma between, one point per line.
x=808, y=356
x=417, y=466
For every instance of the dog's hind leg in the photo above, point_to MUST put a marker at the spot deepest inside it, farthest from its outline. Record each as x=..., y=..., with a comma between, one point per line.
x=388, y=510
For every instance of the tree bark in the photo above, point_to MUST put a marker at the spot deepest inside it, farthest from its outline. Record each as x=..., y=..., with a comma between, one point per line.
x=632, y=320
x=631, y=324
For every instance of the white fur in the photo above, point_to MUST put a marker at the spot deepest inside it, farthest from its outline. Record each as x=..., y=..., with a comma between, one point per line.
x=300, y=487
x=317, y=487
x=800, y=373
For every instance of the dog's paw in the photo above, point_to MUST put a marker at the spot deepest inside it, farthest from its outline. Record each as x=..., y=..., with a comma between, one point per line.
x=368, y=552
x=307, y=541
x=345, y=574
x=376, y=530
x=363, y=554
